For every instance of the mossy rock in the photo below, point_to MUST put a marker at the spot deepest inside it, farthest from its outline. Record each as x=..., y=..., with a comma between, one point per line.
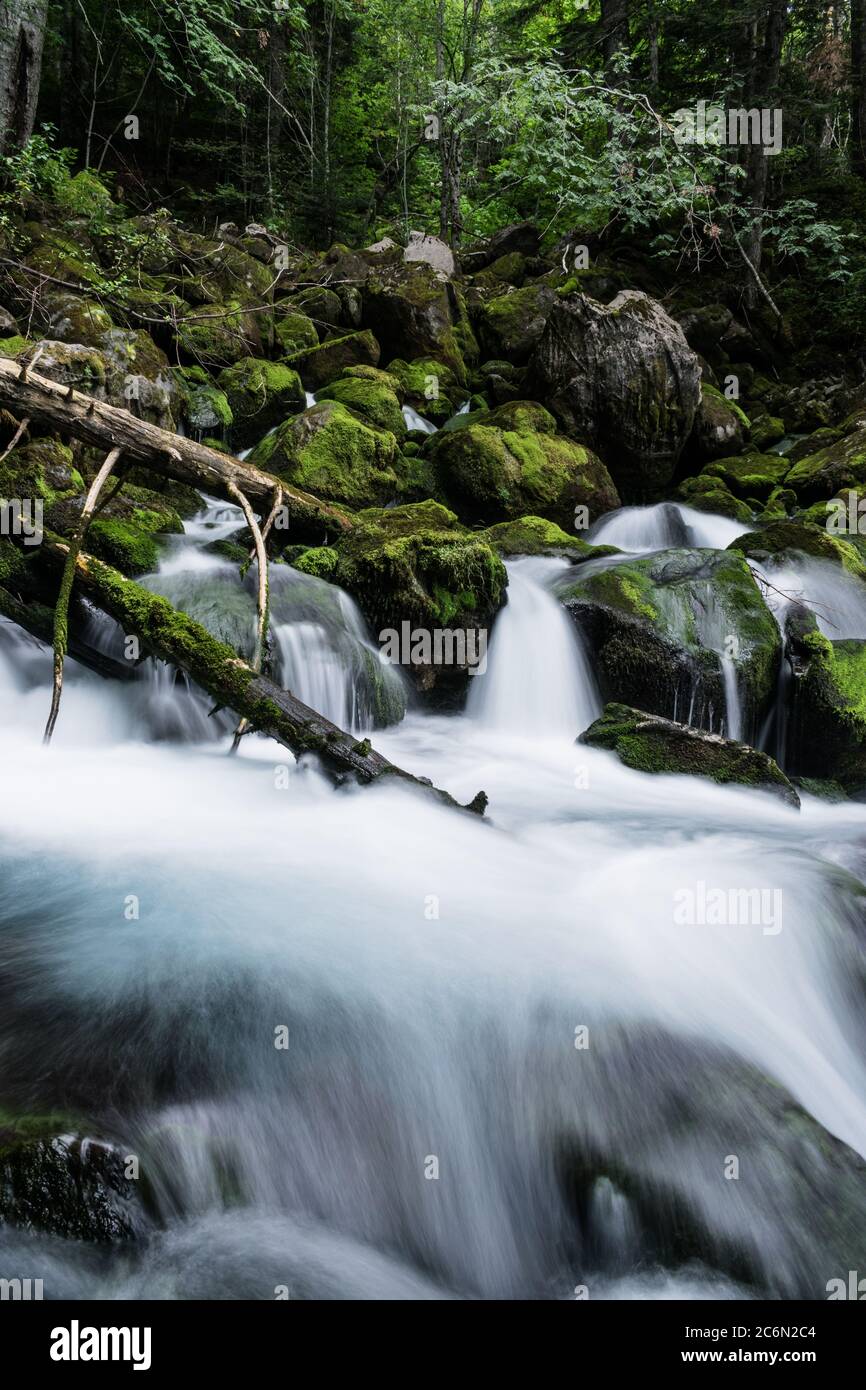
x=512, y=324
x=827, y=723
x=320, y=561
x=54, y=1180
x=42, y=470
x=75, y=318
x=505, y=271
x=208, y=411
x=415, y=314
x=73, y=364
x=14, y=345
x=647, y=743
x=319, y=304
x=84, y=195
x=711, y=495
x=130, y=548
x=217, y=335
x=260, y=394
x=800, y=537
x=839, y=465
x=660, y=624
x=370, y=398
x=532, y=535
x=767, y=430
x=514, y=464
x=749, y=475
x=294, y=332
x=721, y=428
x=429, y=386
x=813, y=443
x=416, y=564
x=335, y=454
x=320, y=365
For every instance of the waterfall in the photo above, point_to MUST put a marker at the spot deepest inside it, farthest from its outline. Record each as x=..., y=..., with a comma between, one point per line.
x=641, y=530
x=414, y=421
x=538, y=676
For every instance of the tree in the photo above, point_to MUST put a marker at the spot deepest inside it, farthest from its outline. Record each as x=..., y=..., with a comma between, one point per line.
x=858, y=87
x=22, y=35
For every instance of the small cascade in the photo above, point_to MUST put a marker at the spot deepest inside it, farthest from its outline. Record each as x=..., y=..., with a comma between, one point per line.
x=641, y=530
x=414, y=421
x=538, y=680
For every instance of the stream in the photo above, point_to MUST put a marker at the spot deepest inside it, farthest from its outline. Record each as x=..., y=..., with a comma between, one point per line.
x=509, y=1072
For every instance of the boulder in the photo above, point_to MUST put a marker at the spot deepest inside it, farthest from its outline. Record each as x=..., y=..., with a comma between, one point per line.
x=522, y=238
x=374, y=398
x=622, y=378
x=721, y=427
x=826, y=734
x=432, y=251
x=509, y=462
x=660, y=625
x=429, y=386
x=512, y=324
x=335, y=454
x=260, y=394
x=215, y=335
x=712, y=494
x=841, y=464
x=647, y=743
x=317, y=366
x=749, y=475
x=415, y=314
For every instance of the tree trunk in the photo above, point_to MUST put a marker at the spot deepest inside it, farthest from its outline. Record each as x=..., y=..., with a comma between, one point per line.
x=22, y=33
x=762, y=89
x=614, y=36
x=173, y=456
x=858, y=87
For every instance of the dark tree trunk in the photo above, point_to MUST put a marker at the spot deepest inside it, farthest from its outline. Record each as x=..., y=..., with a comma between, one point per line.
x=858, y=87
x=614, y=34
x=22, y=33
x=762, y=89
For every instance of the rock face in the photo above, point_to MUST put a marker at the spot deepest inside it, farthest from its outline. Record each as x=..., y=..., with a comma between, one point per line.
x=413, y=313
x=66, y=1186
x=433, y=252
x=509, y=462
x=648, y=743
x=622, y=378
x=330, y=451
x=827, y=725
x=720, y=427
x=659, y=626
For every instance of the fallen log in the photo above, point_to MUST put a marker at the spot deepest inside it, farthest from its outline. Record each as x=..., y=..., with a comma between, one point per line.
x=104, y=426
x=170, y=635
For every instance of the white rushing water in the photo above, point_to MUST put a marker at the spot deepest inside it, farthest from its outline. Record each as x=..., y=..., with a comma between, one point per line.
x=641, y=530
x=414, y=421
x=434, y=972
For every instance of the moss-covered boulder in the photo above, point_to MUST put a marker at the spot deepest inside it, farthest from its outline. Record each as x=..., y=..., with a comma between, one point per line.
x=370, y=397
x=767, y=430
x=75, y=318
x=826, y=736
x=430, y=387
x=506, y=271
x=208, y=412
x=320, y=304
x=83, y=195
x=260, y=394
x=749, y=475
x=415, y=314
x=294, y=332
x=416, y=565
x=663, y=628
x=335, y=454
x=841, y=464
x=647, y=743
x=42, y=470
x=721, y=428
x=317, y=366
x=138, y=377
x=510, y=462
x=512, y=324
x=784, y=537
x=215, y=335
x=74, y=364
x=532, y=535
x=712, y=495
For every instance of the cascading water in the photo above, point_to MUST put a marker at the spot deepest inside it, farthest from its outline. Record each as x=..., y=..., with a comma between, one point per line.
x=641, y=530
x=538, y=678
x=414, y=421
x=432, y=1127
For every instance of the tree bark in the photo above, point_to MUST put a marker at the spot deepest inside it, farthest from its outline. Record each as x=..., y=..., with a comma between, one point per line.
x=762, y=89
x=22, y=34
x=858, y=87
x=614, y=36
x=173, y=456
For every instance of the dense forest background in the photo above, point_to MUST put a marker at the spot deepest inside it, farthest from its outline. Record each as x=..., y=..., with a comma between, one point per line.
x=347, y=120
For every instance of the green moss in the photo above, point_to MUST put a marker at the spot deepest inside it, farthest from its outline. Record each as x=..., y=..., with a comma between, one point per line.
x=370, y=398
x=208, y=409
x=749, y=475
x=800, y=537
x=12, y=347
x=319, y=365
x=126, y=546
x=826, y=473
x=260, y=394
x=330, y=451
x=767, y=430
x=711, y=495
x=42, y=469
x=533, y=535
x=423, y=376
x=320, y=561
x=84, y=195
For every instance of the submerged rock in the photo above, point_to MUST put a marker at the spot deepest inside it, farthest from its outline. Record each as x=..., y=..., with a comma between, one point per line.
x=648, y=743
x=622, y=378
